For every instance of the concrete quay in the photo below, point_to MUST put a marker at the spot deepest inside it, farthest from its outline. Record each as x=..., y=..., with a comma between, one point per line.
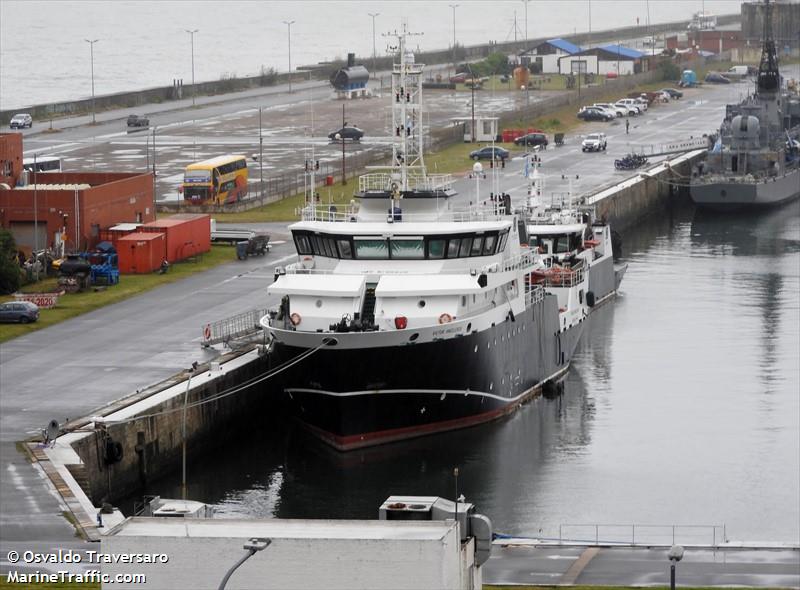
x=702, y=566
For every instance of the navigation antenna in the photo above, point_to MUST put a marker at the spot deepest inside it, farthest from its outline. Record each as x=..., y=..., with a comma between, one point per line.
x=311, y=166
x=406, y=109
x=768, y=72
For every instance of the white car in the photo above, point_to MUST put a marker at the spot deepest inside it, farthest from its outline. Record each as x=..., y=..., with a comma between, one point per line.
x=20, y=121
x=620, y=111
x=642, y=103
x=594, y=142
x=632, y=102
x=630, y=110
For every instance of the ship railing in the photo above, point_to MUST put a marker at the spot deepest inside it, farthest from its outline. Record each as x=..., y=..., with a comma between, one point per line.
x=558, y=278
x=236, y=327
x=328, y=212
x=384, y=181
x=534, y=294
x=643, y=534
x=350, y=213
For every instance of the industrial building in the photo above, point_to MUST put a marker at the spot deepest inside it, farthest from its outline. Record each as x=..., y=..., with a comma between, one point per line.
x=604, y=60
x=546, y=55
x=43, y=210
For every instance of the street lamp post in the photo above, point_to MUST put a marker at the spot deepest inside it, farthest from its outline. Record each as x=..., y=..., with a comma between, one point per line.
x=289, y=24
x=374, y=53
x=675, y=555
x=191, y=33
x=472, y=85
x=454, y=6
x=252, y=547
x=91, y=53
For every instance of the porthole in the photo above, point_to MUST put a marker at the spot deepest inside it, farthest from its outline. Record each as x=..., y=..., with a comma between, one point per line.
x=413, y=336
x=469, y=327
x=489, y=344
x=318, y=303
x=491, y=385
x=421, y=303
x=476, y=348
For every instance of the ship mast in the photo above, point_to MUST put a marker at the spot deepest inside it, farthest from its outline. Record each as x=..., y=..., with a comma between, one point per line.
x=406, y=111
x=768, y=73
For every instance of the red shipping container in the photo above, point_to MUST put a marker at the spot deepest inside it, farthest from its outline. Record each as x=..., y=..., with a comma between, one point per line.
x=187, y=234
x=141, y=252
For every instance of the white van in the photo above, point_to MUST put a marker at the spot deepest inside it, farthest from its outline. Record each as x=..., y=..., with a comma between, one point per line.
x=737, y=71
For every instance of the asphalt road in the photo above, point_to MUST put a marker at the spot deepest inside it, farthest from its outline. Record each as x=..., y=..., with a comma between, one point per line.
x=67, y=370
x=625, y=566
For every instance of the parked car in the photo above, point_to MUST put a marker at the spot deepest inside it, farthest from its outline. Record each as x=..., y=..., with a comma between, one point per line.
x=618, y=111
x=347, y=132
x=20, y=121
x=22, y=312
x=716, y=78
x=595, y=114
x=642, y=102
x=630, y=109
x=673, y=93
x=459, y=78
x=631, y=102
x=489, y=153
x=532, y=139
x=137, y=121
x=594, y=142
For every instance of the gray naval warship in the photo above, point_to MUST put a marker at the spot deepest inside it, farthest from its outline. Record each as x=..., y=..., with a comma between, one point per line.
x=754, y=161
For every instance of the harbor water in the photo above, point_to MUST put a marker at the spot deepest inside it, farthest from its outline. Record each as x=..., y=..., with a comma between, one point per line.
x=682, y=407
x=144, y=44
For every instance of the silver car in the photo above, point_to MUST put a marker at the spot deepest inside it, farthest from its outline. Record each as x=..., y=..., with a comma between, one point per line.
x=22, y=312
x=20, y=121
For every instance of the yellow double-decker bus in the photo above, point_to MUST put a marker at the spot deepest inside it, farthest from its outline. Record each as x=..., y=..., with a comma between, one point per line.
x=217, y=181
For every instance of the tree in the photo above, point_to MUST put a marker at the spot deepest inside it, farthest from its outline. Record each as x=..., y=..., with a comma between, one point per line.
x=9, y=268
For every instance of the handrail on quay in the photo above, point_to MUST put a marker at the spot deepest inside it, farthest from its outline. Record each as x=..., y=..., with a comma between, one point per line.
x=668, y=532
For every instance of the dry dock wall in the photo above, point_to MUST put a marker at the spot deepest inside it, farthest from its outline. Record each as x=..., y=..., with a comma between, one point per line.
x=149, y=431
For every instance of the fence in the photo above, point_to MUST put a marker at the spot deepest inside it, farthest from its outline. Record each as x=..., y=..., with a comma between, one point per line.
x=643, y=534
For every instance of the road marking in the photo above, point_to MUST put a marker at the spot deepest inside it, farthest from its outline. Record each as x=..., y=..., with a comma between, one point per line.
x=576, y=568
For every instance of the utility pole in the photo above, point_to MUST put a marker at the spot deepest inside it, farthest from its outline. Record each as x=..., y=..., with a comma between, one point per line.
x=191, y=33
x=91, y=53
x=289, y=26
x=454, y=6
x=374, y=53
x=260, y=154
x=526, y=23
x=344, y=171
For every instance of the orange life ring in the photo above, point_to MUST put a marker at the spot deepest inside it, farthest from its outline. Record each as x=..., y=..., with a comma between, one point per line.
x=445, y=318
x=295, y=319
x=207, y=332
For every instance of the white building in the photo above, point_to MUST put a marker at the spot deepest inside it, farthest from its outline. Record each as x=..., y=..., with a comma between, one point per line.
x=303, y=554
x=603, y=60
x=548, y=53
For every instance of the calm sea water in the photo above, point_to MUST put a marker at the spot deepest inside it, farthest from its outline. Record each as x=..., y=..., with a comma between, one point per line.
x=682, y=407
x=44, y=57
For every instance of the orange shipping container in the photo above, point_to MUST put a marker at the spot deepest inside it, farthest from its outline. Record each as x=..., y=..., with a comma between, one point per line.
x=141, y=253
x=187, y=234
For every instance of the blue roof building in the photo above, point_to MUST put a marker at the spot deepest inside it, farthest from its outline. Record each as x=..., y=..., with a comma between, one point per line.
x=546, y=54
x=603, y=60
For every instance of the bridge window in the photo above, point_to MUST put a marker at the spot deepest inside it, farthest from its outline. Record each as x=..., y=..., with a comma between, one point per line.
x=436, y=248
x=466, y=246
x=345, y=249
x=489, y=244
x=407, y=249
x=371, y=249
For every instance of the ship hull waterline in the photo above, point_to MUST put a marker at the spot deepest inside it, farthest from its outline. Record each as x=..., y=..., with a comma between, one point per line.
x=355, y=398
x=736, y=196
